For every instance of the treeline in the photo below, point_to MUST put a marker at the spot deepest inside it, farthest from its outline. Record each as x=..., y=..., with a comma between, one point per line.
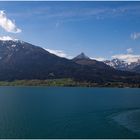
x=65, y=83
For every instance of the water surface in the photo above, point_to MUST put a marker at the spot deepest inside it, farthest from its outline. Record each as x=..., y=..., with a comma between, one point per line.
x=41, y=112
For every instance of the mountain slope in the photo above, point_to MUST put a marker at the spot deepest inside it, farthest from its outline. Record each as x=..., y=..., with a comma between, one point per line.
x=82, y=59
x=136, y=69
x=21, y=60
x=98, y=69
x=81, y=56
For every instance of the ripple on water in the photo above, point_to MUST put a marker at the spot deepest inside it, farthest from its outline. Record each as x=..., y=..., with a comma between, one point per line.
x=129, y=119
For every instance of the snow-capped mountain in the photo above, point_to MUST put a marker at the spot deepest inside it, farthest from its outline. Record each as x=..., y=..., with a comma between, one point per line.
x=22, y=60
x=117, y=64
x=122, y=65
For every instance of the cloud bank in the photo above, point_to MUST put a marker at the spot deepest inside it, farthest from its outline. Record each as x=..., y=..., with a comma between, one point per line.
x=135, y=35
x=98, y=58
x=129, y=50
x=7, y=24
x=5, y=38
x=127, y=57
x=59, y=53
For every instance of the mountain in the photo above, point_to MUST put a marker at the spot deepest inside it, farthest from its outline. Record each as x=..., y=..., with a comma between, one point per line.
x=22, y=60
x=117, y=64
x=122, y=65
x=100, y=69
x=136, y=68
x=81, y=56
x=82, y=59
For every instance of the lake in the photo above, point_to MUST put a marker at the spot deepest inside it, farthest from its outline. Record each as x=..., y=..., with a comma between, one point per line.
x=41, y=112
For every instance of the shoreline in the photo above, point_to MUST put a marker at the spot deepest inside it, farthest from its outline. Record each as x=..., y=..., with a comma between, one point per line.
x=66, y=83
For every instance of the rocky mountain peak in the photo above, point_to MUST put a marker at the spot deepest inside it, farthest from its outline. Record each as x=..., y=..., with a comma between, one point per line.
x=81, y=56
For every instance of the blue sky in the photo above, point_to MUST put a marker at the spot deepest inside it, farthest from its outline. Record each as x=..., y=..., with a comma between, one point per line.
x=102, y=30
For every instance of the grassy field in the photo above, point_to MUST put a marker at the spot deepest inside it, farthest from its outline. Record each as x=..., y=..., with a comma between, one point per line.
x=64, y=83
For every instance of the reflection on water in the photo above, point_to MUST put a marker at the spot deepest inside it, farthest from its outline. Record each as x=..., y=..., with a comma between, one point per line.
x=129, y=119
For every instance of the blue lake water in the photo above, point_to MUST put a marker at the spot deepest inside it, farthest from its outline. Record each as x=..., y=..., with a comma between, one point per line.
x=41, y=112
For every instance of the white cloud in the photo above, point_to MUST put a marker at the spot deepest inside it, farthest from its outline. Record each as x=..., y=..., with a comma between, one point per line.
x=7, y=24
x=98, y=58
x=4, y=38
x=127, y=57
x=135, y=35
x=59, y=53
x=129, y=50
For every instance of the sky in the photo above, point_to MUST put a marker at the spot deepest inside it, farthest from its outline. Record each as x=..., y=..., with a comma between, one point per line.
x=102, y=30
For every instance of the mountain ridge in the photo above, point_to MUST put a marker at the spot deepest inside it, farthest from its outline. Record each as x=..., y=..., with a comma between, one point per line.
x=124, y=66
x=21, y=61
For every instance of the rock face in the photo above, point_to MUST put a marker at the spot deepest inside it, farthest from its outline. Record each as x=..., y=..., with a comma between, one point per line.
x=22, y=60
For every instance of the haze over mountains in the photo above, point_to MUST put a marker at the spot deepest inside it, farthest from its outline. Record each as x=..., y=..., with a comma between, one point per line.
x=21, y=60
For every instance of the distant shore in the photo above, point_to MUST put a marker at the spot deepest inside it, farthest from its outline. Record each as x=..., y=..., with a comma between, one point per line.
x=66, y=83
